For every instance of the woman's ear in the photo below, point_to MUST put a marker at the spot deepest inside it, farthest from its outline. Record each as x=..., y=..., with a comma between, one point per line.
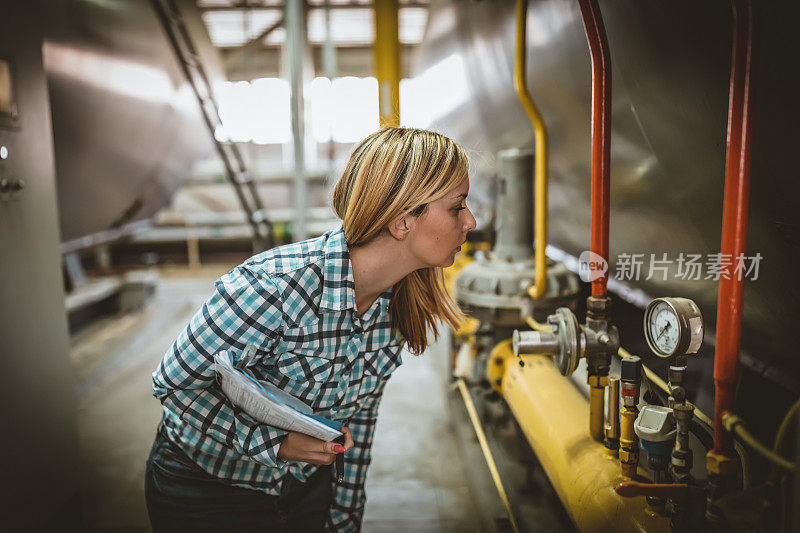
x=400, y=227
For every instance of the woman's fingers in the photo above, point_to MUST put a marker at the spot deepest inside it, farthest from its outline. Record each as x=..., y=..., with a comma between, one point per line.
x=348, y=439
x=300, y=447
x=329, y=447
x=321, y=458
x=313, y=445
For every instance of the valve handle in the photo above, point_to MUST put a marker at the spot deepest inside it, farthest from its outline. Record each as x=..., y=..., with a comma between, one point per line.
x=631, y=489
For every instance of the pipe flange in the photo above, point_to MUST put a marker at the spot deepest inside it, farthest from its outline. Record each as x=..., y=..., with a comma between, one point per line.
x=565, y=326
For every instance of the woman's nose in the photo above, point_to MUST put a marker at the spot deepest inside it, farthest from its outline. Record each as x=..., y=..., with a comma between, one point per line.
x=470, y=223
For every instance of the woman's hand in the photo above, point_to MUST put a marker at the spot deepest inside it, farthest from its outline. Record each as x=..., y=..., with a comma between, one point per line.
x=300, y=447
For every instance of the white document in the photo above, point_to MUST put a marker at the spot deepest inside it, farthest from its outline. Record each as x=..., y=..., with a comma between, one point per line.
x=267, y=403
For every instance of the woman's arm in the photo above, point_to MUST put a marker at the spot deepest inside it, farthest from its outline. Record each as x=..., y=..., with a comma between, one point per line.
x=244, y=310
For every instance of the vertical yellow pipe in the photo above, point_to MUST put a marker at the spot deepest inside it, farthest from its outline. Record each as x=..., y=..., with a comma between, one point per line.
x=596, y=414
x=540, y=132
x=387, y=61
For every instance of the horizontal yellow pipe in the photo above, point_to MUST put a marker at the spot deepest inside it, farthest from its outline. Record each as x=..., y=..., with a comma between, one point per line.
x=554, y=415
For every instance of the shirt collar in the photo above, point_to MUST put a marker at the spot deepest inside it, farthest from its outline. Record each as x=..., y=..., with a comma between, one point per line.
x=338, y=287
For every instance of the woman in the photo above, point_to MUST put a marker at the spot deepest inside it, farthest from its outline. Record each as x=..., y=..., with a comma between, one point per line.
x=325, y=320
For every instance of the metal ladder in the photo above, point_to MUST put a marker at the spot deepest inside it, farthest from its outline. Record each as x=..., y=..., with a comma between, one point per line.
x=237, y=173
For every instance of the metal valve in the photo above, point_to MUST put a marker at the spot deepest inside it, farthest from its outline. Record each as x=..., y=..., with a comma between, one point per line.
x=567, y=341
x=564, y=341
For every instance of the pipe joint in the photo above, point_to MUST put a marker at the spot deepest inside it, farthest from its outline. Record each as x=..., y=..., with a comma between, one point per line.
x=598, y=307
x=602, y=342
x=720, y=464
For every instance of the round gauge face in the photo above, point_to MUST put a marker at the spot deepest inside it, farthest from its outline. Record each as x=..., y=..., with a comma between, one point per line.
x=663, y=328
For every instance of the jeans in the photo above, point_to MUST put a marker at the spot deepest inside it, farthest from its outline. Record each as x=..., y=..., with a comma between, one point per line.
x=183, y=497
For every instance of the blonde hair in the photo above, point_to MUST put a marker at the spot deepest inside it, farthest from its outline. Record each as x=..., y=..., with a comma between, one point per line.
x=392, y=173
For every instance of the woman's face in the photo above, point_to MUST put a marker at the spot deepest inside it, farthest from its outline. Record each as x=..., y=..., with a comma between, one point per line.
x=442, y=228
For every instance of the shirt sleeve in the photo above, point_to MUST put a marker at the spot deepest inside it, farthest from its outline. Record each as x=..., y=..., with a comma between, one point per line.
x=347, y=504
x=245, y=310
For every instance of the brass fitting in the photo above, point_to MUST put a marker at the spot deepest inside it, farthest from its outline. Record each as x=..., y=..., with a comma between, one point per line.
x=597, y=381
x=631, y=379
x=720, y=464
x=628, y=457
x=628, y=442
x=612, y=419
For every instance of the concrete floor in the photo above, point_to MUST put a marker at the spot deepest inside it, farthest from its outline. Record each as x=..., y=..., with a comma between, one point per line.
x=418, y=480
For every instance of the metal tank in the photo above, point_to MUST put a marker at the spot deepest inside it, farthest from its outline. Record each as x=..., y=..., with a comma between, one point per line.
x=670, y=65
x=126, y=125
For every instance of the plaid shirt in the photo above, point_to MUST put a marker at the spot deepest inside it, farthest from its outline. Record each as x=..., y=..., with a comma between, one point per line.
x=295, y=305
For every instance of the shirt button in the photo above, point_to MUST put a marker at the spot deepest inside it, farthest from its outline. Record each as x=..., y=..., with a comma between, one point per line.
x=357, y=336
x=334, y=409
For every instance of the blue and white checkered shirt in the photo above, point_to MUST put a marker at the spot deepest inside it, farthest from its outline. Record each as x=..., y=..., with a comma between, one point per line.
x=296, y=306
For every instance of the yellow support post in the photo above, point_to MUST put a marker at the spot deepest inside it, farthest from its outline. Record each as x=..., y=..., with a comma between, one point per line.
x=387, y=61
x=540, y=169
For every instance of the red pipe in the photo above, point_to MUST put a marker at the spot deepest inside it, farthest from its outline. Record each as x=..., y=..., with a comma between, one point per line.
x=734, y=222
x=601, y=133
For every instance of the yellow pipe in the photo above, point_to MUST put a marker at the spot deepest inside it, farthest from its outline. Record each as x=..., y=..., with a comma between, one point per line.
x=540, y=185
x=537, y=326
x=735, y=425
x=788, y=418
x=487, y=452
x=597, y=391
x=387, y=61
x=496, y=366
x=553, y=415
x=597, y=399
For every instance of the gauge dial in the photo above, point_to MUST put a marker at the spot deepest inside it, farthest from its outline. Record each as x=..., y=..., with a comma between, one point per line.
x=664, y=328
x=673, y=326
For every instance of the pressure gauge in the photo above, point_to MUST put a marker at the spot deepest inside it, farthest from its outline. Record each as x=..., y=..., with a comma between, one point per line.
x=673, y=326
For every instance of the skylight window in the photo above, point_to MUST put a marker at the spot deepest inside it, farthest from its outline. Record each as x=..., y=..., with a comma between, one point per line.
x=353, y=26
x=235, y=27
